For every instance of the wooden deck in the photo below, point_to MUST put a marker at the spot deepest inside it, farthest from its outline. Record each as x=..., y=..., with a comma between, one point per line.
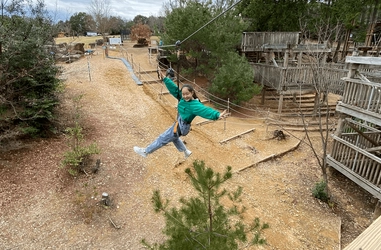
x=370, y=239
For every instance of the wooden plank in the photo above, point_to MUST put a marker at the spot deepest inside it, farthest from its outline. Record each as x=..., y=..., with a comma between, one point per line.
x=373, y=149
x=148, y=71
x=377, y=173
x=363, y=60
x=368, y=138
x=362, y=125
x=358, y=81
x=151, y=81
x=237, y=136
x=360, y=113
x=204, y=122
x=270, y=157
x=370, y=238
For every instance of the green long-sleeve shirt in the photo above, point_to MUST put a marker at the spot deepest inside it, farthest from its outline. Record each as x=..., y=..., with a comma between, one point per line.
x=189, y=110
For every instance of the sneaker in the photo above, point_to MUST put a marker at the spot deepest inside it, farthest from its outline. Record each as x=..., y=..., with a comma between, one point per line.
x=187, y=153
x=140, y=151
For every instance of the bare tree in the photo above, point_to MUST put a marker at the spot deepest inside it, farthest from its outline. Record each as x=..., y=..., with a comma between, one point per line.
x=101, y=12
x=324, y=78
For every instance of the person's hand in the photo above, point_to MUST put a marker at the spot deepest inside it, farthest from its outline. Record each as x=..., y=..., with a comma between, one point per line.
x=223, y=114
x=162, y=73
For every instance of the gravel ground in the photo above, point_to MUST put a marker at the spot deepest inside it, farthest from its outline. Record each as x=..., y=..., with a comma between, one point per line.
x=43, y=207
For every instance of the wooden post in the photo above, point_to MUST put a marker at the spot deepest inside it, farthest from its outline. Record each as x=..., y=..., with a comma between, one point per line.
x=286, y=55
x=352, y=70
x=377, y=211
x=88, y=67
x=280, y=104
x=340, y=125
x=300, y=56
x=316, y=103
x=132, y=62
x=263, y=95
x=228, y=112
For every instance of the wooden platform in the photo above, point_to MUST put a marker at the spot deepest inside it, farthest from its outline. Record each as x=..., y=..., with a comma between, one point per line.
x=370, y=239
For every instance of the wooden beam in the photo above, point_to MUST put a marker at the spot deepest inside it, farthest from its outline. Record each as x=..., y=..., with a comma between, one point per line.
x=204, y=122
x=373, y=149
x=270, y=157
x=363, y=135
x=363, y=60
x=151, y=81
x=147, y=71
x=359, y=113
x=237, y=136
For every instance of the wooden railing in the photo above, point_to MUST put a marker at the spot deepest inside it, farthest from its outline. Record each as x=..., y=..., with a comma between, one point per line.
x=304, y=77
x=363, y=95
x=353, y=156
x=267, y=75
x=255, y=41
x=357, y=164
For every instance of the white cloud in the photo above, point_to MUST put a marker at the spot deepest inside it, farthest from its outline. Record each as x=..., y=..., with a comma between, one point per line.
x=126, y=9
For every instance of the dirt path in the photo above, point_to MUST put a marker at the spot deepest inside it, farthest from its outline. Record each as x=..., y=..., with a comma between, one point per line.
x=43, y=207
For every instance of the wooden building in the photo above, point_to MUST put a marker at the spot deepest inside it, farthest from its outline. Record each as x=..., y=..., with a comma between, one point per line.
x=281, y=63
x=277, y=61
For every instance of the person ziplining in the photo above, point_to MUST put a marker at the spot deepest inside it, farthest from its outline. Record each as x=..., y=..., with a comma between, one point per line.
x=189, y=106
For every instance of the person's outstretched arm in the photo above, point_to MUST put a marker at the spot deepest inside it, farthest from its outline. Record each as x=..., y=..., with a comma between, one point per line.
x=171, y=86
x=199, y=109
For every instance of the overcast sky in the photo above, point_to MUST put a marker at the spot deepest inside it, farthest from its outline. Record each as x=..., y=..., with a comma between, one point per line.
x=126, y=9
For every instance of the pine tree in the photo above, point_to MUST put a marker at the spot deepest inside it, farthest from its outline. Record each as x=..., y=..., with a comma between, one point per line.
x=28, y=75
x=202, y=222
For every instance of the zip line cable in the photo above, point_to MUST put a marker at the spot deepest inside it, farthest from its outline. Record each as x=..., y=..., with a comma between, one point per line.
x=211, y=21
x=178, y=43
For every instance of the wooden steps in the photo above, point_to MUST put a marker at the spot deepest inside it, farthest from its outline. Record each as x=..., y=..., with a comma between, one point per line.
x=296, y=105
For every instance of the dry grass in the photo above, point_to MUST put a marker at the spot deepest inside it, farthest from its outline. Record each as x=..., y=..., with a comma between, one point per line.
x=81, y=39
x=89, y=39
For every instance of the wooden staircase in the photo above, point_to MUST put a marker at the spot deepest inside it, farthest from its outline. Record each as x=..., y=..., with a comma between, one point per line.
x=298, y=105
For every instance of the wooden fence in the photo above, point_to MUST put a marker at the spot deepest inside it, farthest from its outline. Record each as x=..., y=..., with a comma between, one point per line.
x=351, y=155
x=255, y=41
x=363, y=95
x=306, y=77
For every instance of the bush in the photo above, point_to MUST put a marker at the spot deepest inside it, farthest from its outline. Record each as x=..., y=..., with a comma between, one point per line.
x=79, y=156
x=320, y=191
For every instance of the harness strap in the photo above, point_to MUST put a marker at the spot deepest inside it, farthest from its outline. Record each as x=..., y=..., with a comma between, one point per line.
x=175, y=128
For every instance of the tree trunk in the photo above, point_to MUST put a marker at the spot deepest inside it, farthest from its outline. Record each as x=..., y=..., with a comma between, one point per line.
x=335, y=55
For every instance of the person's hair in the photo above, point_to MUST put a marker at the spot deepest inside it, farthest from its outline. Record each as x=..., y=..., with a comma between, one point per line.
x=190, y=89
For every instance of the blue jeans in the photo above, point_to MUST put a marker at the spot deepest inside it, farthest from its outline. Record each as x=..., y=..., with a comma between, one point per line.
x=165, y=138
